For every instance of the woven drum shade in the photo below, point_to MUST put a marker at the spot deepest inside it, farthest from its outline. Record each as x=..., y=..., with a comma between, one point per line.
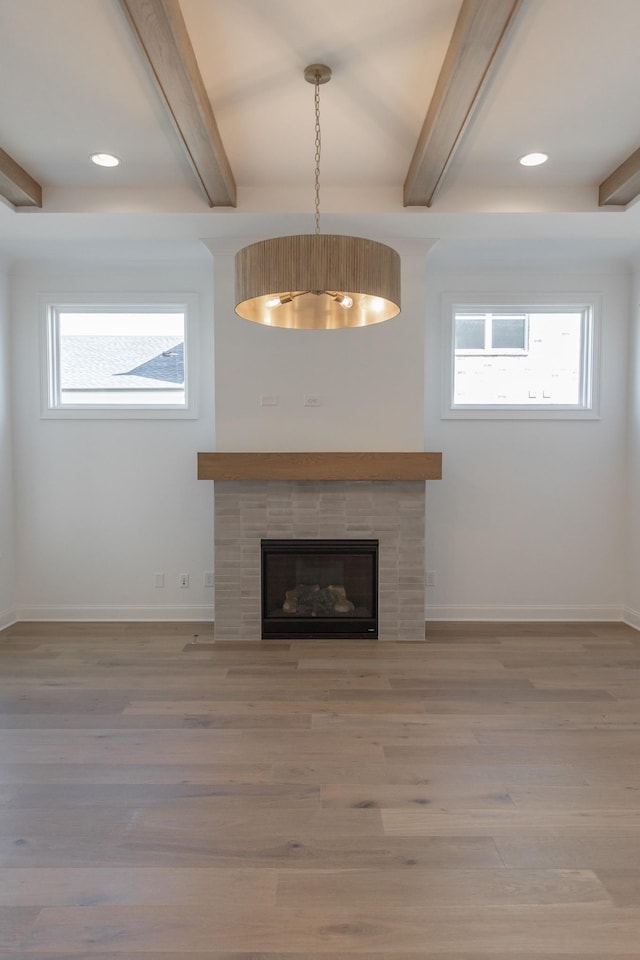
x=312, y=273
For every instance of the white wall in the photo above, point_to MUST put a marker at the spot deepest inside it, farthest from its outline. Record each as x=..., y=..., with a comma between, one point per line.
x=632, y=612
x=529, y=518
x=104, y=504
x=7, y=558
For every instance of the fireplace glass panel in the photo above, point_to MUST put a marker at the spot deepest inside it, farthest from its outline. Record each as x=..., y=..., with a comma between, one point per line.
x=319, y=588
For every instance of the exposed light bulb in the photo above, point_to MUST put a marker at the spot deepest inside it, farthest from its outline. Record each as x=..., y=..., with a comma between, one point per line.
x=342, y=298
x=278, y=301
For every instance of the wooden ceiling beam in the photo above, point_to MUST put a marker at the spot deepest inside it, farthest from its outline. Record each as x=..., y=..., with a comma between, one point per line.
x=479, y=33
x=623, y=185
x=16, y=185
x=162, y=34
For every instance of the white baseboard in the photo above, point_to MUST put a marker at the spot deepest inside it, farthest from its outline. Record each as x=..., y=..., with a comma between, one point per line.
x=464, y=611
x=632, y=617
x=434, y=612
x=80, y=612
x=7, y=617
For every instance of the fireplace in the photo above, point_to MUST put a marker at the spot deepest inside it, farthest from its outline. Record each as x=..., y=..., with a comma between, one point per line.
x=249, y=511
x=319, y=588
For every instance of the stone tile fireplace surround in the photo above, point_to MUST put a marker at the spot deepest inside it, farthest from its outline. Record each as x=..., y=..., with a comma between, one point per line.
x=391, y=510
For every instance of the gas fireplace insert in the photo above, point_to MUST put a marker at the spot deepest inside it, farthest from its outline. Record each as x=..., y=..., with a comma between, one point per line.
x=319, y=588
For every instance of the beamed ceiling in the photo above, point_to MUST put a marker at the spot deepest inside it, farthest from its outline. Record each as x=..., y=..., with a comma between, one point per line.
x=430, y=106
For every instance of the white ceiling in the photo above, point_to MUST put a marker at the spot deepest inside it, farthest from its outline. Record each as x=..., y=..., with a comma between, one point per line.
x=73, y=83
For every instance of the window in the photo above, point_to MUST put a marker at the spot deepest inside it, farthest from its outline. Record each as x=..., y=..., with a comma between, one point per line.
x=490, y=333
x=118, y=359
x=531, y=360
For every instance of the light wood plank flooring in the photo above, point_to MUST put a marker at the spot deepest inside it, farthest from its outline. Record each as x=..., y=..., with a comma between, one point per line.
x=475, y=796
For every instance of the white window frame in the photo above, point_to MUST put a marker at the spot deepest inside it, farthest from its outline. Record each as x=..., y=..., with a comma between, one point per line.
x=589, y=304
x=52, y=305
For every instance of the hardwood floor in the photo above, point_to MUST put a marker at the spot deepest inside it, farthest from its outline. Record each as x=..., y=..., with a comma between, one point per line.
x=476, y=796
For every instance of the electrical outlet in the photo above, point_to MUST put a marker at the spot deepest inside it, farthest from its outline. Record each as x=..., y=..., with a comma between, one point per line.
x=183, y=580
x=158, y=579
x=431, y=578
x=269, y=400
x=207, y=578
x=312, y=400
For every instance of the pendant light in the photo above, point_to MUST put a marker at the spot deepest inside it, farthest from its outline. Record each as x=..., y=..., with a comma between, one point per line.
x=317, y=281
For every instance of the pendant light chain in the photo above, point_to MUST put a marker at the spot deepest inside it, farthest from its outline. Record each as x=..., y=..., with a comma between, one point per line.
x=318, y=145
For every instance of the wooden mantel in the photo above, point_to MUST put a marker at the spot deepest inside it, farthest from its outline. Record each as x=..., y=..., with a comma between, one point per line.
x=319, y=466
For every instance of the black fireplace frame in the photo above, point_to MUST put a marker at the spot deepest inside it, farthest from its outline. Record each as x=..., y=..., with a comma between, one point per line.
x=296, y=627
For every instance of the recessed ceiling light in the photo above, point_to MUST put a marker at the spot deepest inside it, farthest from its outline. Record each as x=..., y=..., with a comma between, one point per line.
x=105, y=159
x=533, y=159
